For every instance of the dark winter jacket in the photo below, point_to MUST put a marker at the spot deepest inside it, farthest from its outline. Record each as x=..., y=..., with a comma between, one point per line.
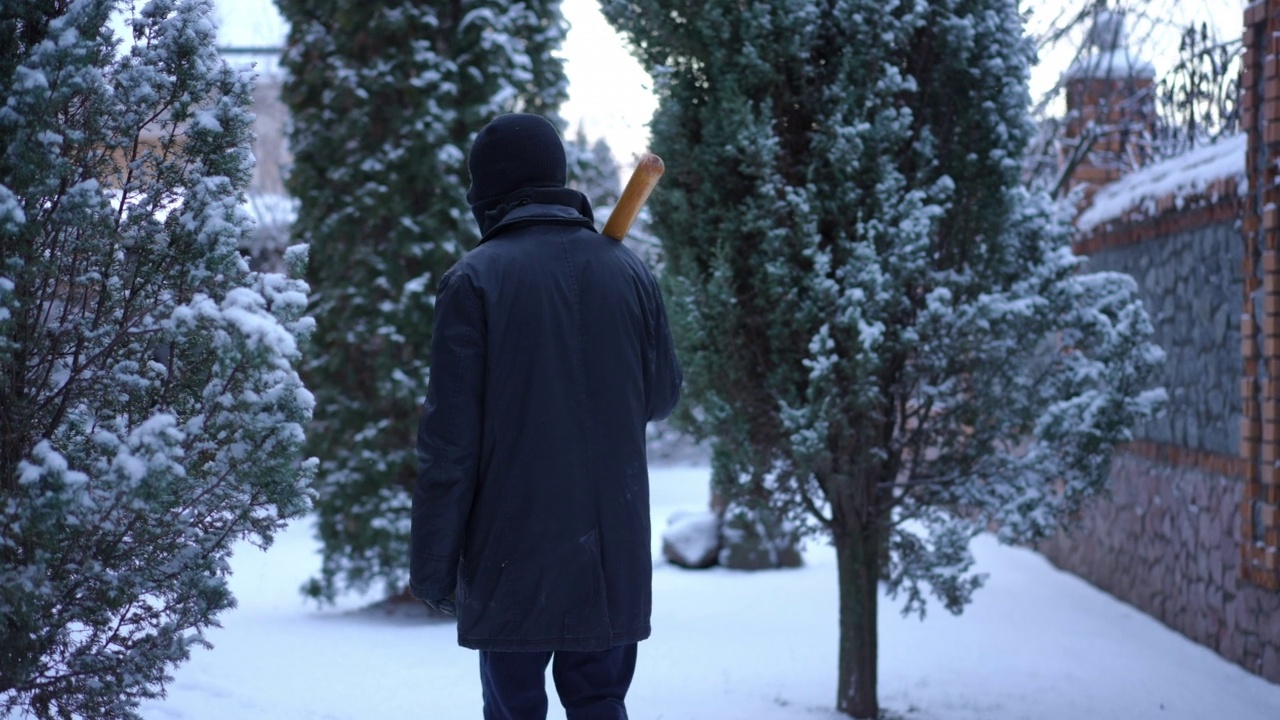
x=551, y=351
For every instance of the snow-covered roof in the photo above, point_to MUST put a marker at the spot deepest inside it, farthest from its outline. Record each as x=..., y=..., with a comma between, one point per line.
x=1108, y=31
x=249, y=31
x=249, y=24
x=1108, y=56
x=1110, y=65
x=1190, y=174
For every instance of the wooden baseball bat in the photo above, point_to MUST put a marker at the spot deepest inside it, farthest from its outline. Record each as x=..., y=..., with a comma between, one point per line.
x=648, y=171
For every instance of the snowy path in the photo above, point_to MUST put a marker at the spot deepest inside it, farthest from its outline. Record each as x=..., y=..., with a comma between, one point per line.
x=1037, y=644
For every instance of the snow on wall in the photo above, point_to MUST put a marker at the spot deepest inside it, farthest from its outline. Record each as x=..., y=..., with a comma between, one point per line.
x=1193, y=173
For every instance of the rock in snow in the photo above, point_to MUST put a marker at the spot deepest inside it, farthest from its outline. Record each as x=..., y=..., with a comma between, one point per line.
x=692, y=539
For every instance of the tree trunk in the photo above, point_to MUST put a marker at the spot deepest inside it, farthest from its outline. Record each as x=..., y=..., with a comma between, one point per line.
x=858, y=556
x=882, y=550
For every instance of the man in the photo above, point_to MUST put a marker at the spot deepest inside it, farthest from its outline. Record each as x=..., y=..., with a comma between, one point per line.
x=551, y=351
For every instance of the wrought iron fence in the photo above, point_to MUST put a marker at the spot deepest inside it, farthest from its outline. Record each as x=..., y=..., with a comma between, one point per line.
x=1198, y=100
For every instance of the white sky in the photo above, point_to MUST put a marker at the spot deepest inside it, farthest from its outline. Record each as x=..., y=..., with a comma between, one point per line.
x=609, y=92
x=1155, y=40
x=611, y=96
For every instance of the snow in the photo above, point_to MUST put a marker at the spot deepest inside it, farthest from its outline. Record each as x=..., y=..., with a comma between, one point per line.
x=694, y=536
x=26, y=78
x=1036, y=644
x=207, y=120
x=6, y=291
x=1187, y=175
x=11, y=214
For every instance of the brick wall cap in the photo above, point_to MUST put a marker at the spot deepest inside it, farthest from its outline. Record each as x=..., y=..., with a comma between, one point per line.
x=1166, y=186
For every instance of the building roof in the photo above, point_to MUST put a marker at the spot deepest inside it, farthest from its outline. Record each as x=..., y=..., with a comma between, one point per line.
x=250, y=24
x=251, y=31
x=1107, y=55
x=1116, y=64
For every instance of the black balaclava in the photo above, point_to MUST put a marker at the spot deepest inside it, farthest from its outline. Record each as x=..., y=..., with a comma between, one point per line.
x=513, y=152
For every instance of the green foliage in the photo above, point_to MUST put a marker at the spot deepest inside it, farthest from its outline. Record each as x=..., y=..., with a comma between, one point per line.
x=886, y=336
x=150, y=413
x=386, y=98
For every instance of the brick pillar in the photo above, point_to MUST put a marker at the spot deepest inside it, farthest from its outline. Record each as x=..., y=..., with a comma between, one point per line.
x=1260, y=324
x=1110, y=106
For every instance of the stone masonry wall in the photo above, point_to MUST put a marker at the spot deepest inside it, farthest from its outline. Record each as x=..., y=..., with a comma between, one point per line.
x=1192, y=285
x=1168, y=542
x=1191, y=531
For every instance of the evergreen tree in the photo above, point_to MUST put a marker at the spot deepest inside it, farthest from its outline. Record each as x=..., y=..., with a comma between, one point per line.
x=888, y=337
x=386, y=98
x=150, y=414
x=593, y=171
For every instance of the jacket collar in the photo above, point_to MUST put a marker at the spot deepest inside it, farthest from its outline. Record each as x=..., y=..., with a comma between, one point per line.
x=532, y=206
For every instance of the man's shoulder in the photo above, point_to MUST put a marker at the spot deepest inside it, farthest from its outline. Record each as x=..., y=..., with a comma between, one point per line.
x=462, y=272
x=520, y=246
x=476, y=258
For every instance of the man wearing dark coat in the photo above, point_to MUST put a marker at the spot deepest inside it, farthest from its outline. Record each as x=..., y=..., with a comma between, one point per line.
x=551, y=351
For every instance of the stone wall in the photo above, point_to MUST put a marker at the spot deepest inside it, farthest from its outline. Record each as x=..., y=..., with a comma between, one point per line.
x=1168, y=542
x=1168, y=537
x=1191, y=530
x=1191, y=283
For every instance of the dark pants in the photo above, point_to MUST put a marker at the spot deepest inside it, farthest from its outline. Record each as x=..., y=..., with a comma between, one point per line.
x=591, y=685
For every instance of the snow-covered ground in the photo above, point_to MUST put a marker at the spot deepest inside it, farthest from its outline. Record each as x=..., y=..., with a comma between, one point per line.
x=1037, y=644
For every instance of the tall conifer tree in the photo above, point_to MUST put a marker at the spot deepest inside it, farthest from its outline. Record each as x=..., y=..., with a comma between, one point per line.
x=150, y=412
x=386, y=98
x=886, y=334
x=593, y=171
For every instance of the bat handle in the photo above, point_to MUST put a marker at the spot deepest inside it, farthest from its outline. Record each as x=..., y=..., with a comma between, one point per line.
x=643, y=180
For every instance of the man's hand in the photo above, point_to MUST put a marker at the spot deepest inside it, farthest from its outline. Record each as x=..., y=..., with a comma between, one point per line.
x=442, y=605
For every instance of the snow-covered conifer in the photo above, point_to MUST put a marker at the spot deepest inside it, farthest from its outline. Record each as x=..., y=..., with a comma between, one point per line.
x=150, y=412
x=386, y=98
x=887, y=335
x=593, y=171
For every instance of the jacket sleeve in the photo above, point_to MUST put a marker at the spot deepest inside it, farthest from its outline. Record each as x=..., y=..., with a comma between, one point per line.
x=665, y=377
x=449, y=435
